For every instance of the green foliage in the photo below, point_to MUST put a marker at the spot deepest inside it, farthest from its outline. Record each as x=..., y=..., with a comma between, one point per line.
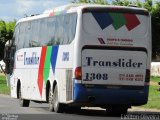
x=148, y=5
x=10, y=29
x=85, y=1
x=121, y=2
x=138, y=3
x=6, y=30
x=103, y=2
x=6, y=33
x=155, y=13
x=3, y=31
x=81, y=1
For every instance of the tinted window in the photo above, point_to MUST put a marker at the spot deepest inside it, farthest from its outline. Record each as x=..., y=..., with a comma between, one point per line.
x=57, y=30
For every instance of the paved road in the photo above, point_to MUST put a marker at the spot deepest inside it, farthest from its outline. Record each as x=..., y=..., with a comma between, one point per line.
x=10, y=110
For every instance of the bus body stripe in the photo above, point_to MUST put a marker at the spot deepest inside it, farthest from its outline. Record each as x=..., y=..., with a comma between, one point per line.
x=54, y=57
x=48, y=57
x=105, y=22
x=41, y=67
x=132, y=21
x=47, y=64
x=118, y=20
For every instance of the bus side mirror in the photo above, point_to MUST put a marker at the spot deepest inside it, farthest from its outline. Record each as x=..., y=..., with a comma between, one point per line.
x=7, y=51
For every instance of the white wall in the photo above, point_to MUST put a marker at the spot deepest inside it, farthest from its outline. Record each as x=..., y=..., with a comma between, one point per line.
x=155, y=69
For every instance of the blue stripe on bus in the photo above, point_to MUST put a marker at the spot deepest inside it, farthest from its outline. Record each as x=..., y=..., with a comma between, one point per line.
x=103, y=19
x=54, y=57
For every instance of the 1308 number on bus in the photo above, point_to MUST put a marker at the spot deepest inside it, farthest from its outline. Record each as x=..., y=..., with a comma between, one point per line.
x=96, y=76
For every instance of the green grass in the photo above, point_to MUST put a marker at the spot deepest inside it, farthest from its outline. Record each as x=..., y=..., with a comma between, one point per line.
x=3, y=85
x=154, y=94
x=154, y=98
x=155, y=79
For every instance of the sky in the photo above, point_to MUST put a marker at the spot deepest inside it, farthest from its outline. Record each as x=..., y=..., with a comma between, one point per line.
x=16, y=9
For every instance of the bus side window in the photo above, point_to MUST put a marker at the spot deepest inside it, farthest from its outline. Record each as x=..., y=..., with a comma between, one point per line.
x=72, y=27
x=20, y=43
x=34, y=38
x=51, y=23
x=27, y=35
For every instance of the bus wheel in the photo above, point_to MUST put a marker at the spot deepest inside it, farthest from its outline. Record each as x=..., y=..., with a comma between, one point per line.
x=22, y=102
x=58, y=107
x=51, y=107
x=116, y=110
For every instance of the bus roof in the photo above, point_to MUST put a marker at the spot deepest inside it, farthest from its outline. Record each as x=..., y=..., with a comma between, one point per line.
x=74, y=7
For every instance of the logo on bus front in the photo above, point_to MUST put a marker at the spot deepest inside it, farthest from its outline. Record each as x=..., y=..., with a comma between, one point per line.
x=32, y=60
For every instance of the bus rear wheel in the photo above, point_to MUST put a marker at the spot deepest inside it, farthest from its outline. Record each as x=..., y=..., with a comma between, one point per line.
x=22, y=102
x=51, y=107
x=54, y=104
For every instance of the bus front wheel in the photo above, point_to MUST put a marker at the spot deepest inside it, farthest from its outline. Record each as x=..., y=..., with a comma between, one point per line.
x=22, y=102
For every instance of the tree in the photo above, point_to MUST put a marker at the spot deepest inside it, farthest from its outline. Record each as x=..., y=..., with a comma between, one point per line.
x=103, y=2
x=121, y=2
x=148, y=5
x=138, y=3
x=6, y=33
x=3, y=33
x=81, y=1
x=155, y=13
x=10, y=29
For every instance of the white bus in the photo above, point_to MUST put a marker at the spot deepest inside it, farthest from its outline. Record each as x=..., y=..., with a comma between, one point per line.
x=82, y=55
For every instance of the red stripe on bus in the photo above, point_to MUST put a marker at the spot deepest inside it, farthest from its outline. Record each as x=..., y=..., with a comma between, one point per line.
x=132, y=21
x=41, y=68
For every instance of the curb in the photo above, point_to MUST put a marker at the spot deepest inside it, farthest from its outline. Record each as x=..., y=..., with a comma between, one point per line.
x=139, y=109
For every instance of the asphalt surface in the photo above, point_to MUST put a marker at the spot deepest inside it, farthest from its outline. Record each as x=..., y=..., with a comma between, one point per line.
x=10, y=110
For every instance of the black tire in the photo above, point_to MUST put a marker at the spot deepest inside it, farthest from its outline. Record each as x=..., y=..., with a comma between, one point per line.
x=51, y=107
x=58, y=107
x=116, y=110
x=22, y=102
